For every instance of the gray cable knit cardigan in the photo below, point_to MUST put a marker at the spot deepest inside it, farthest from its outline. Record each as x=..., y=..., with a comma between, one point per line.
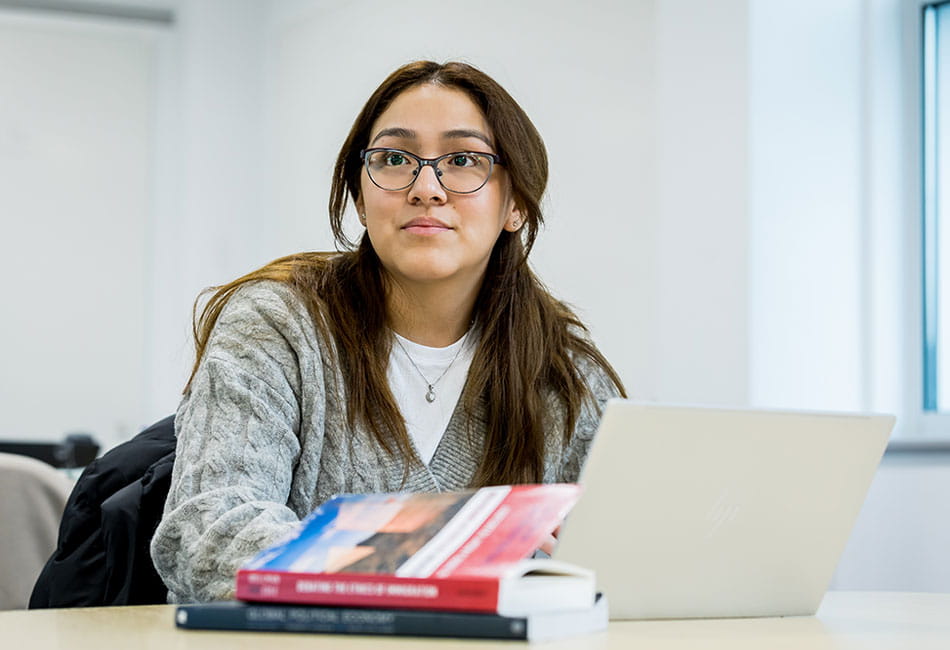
x=263, y=440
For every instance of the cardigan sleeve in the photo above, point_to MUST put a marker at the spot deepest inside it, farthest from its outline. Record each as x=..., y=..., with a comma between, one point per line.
x=238, y=445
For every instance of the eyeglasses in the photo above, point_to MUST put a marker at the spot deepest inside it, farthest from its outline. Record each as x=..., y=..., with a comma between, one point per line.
x=460, y=172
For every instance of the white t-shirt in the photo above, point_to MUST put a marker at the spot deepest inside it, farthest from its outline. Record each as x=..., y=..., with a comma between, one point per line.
x=426, y=421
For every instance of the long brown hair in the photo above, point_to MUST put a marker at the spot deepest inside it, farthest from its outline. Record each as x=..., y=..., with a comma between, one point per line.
x=529, y=343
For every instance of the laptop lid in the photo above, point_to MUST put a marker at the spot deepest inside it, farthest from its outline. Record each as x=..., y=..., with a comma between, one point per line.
x=701, y=512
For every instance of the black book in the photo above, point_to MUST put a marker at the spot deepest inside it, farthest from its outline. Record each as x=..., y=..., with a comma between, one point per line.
x=236, y=615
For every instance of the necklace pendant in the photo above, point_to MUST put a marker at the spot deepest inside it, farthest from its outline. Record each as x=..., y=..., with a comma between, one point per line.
x=430, y=394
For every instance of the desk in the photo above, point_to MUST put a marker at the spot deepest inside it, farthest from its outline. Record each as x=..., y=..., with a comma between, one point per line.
x=846, y=621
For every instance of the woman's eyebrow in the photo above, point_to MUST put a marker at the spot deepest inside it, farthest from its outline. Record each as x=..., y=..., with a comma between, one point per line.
x=468, y=133
x=454, y=134
x=396, y=132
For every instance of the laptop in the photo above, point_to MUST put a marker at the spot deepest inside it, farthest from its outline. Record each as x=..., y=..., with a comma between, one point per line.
x=705, y=513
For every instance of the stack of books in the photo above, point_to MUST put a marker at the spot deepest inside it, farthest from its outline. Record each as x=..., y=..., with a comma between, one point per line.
x=448, y=564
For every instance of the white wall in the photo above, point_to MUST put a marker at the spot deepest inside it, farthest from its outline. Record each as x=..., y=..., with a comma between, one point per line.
x=831, y=321
x=826, y=185
x=901, y=538
x=211, y=220
x=700, y=324
x=75, y=163
x=806, y=247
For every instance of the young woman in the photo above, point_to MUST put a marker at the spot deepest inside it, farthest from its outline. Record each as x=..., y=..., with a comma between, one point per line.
x=427, y=357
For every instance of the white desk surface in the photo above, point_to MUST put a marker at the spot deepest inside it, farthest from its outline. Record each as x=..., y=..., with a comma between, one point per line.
x=846, y=620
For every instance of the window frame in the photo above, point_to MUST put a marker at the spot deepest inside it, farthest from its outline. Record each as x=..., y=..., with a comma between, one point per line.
x=920, y=423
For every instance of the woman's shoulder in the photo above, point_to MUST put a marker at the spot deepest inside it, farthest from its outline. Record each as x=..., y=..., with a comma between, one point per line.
x=277, y=287
x=266, y=293
x=262, y=308
x=264, y=297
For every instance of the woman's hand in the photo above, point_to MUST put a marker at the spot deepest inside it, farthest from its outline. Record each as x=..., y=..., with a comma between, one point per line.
x=547, y=546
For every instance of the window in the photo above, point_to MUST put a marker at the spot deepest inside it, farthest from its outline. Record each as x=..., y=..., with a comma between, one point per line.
x=935, y=203
x=927, y=222
x=935, y=160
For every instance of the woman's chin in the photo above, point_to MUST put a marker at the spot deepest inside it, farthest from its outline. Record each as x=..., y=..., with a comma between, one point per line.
x=426, y=273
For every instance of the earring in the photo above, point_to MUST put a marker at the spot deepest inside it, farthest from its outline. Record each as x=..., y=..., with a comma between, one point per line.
x=363, y=218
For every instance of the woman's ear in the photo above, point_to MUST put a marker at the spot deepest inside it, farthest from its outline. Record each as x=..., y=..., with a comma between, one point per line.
x=515, y=220
x=360, y=209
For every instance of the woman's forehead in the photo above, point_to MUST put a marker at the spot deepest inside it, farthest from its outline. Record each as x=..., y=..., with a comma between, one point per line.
x=432, y=113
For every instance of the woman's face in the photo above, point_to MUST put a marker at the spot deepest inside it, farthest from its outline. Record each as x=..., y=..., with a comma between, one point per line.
x=425, y=234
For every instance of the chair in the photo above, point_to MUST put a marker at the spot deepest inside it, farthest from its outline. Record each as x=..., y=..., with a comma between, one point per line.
x=76, y=450
x=34, y=495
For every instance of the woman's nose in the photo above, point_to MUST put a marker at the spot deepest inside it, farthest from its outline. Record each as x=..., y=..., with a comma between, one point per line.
x=427, y=187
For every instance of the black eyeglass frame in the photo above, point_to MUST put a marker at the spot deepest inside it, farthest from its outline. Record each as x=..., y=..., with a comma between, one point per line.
x=494, y=159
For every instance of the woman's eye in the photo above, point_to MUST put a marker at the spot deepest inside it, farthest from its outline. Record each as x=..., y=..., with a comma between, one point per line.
x=463, y=160
x=394, y=159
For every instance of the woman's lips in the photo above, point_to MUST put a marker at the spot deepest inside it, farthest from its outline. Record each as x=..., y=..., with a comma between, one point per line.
x=426, y=226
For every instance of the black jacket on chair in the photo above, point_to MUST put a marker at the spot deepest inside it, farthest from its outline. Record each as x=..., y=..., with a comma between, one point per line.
x=102, y=555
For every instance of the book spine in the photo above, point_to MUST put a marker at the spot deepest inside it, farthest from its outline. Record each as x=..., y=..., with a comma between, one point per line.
x=369, y=590
x=288, y=618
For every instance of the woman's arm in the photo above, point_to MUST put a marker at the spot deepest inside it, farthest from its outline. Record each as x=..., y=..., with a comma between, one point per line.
x=238, y=445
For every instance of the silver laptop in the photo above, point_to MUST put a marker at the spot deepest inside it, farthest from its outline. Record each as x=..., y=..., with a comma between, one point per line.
x=701, y=512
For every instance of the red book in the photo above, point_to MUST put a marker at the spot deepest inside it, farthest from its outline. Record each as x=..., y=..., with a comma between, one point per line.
x=450, y=551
